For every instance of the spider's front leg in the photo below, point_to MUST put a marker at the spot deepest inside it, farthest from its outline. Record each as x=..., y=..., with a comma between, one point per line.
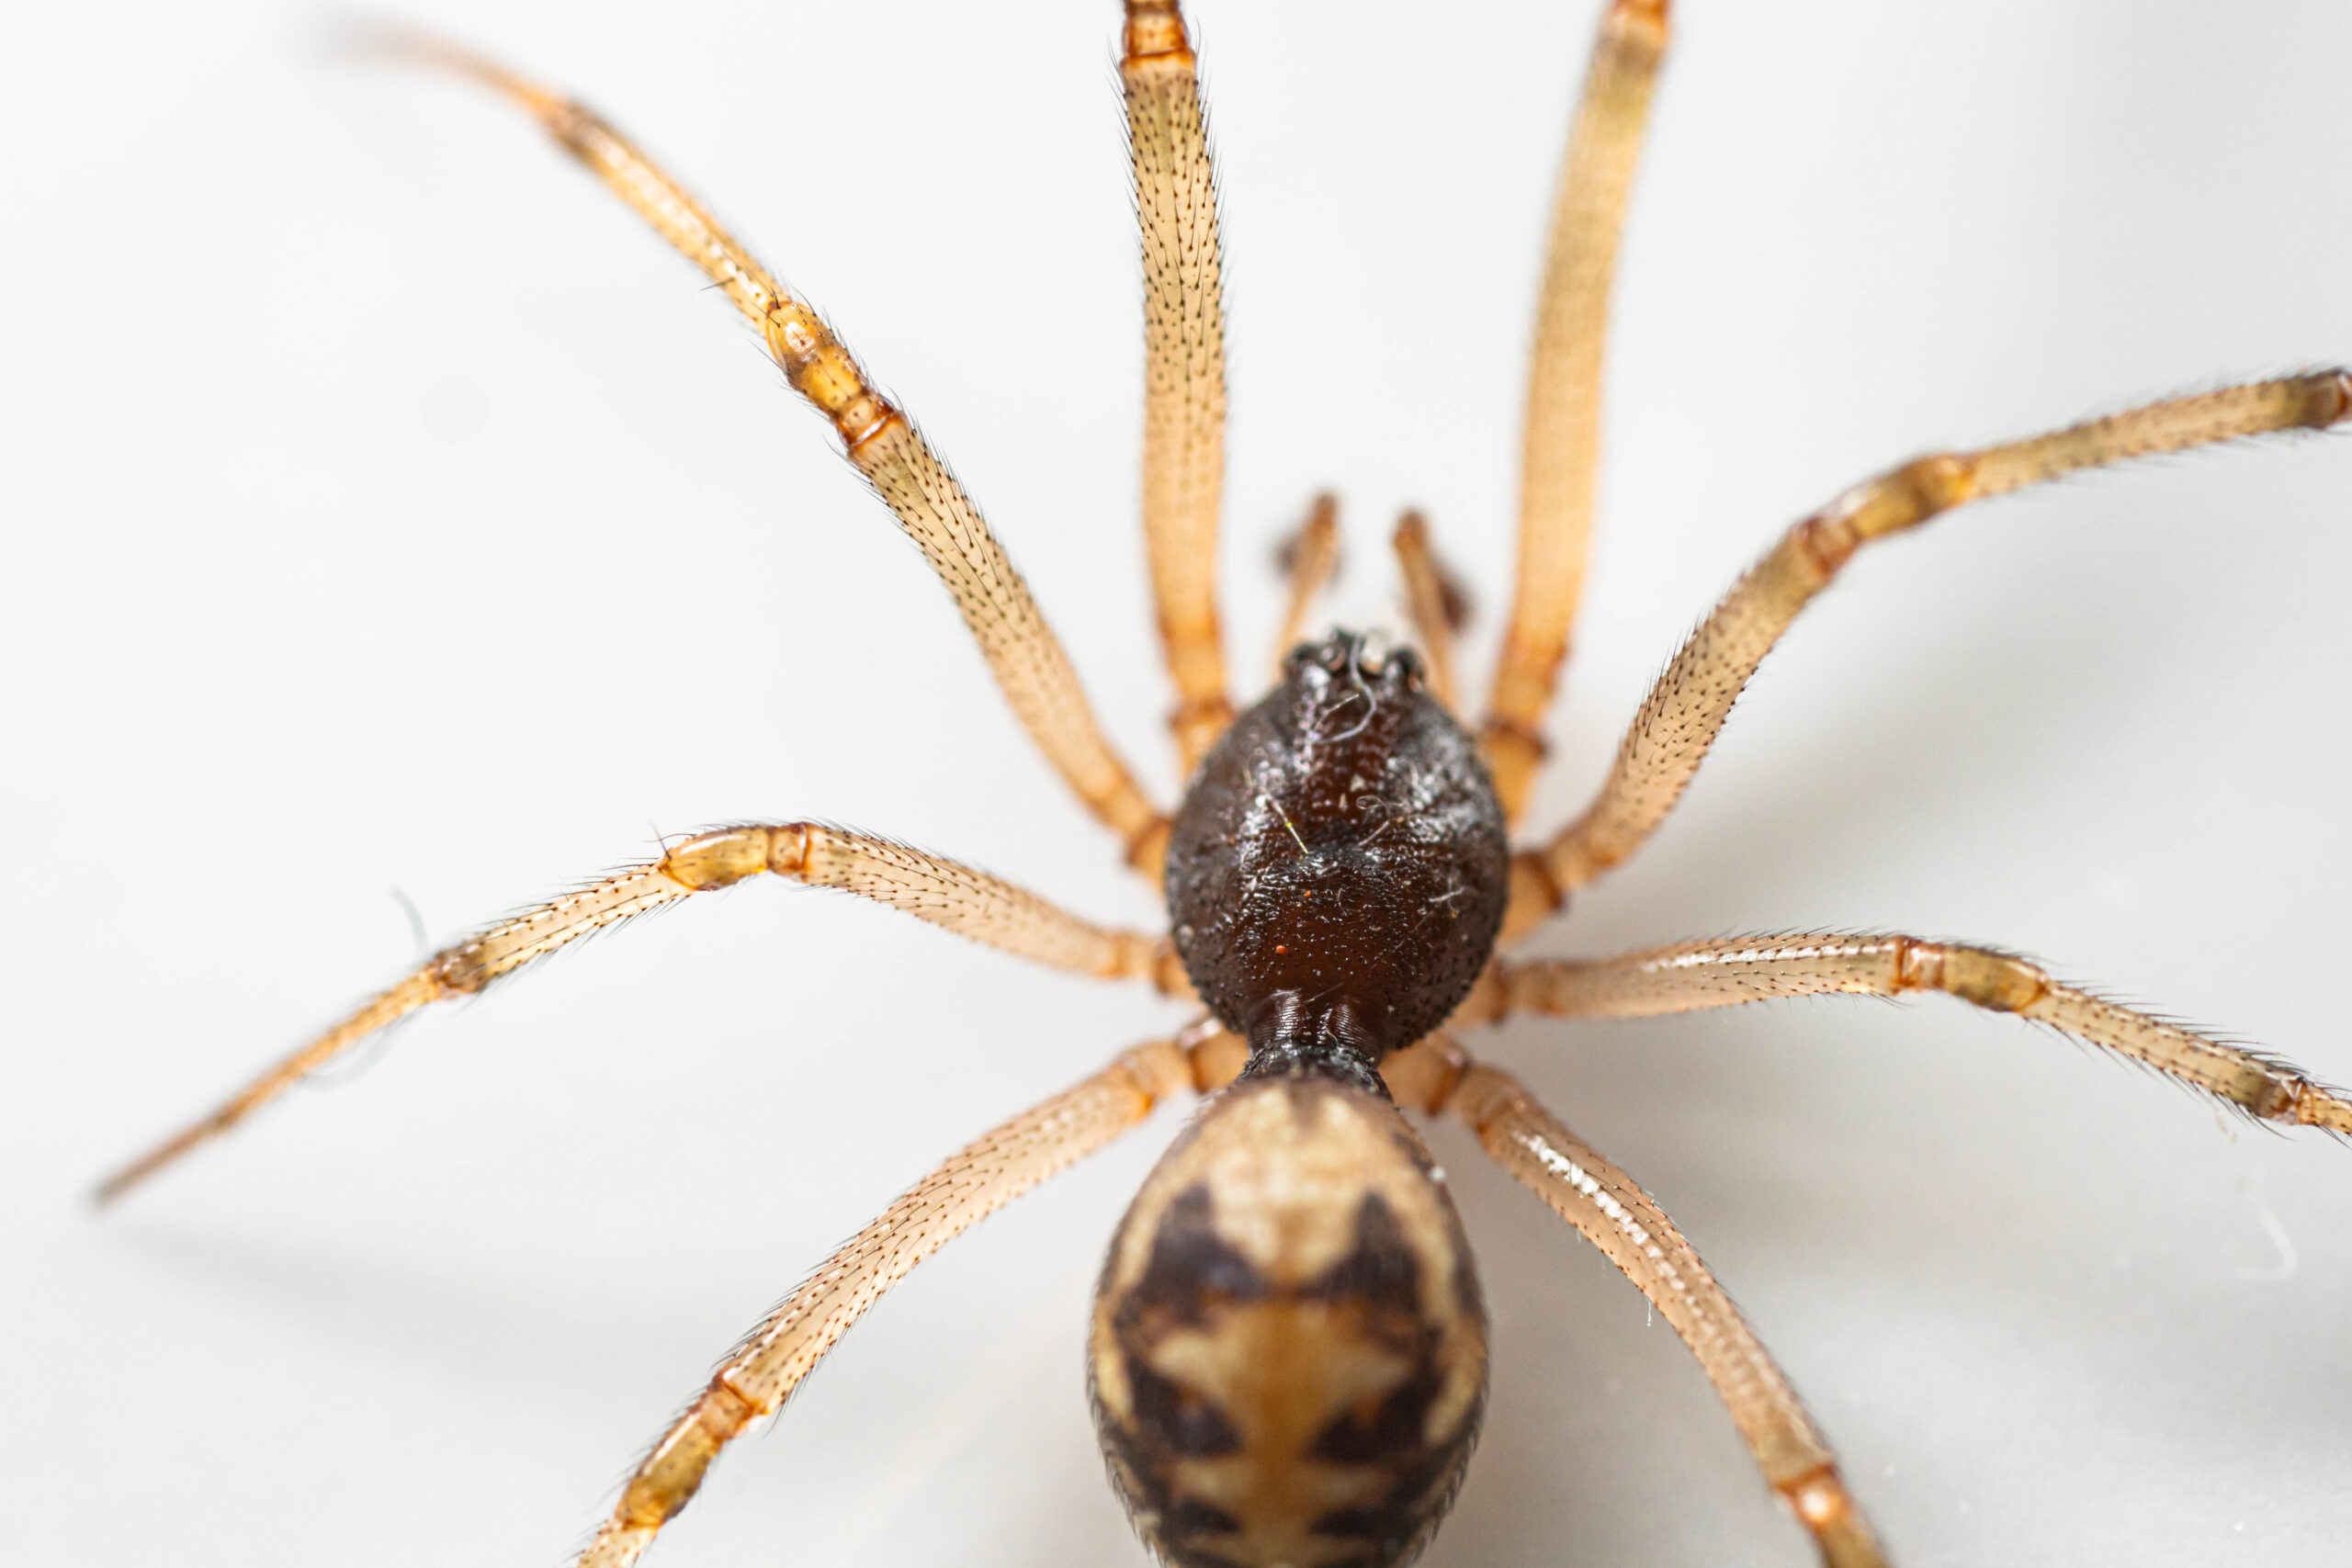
x=1183, y=310
x=1633, y=1232
x=1685, y=710
x=1560, y=445
x=1031, y=666
x=967, y=902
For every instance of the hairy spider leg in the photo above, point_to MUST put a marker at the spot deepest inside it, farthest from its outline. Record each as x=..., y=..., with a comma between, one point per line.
x=760, y=1374
x=967, y=902
x=1560, y=449
x=1310, y=556
x=1613, y=1214
x=1028, y=661
x=1692, y=976
x=1183, y=313
x=1685, y=710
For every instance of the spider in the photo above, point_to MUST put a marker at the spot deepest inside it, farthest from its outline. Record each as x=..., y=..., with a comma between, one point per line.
x=1325, y=1044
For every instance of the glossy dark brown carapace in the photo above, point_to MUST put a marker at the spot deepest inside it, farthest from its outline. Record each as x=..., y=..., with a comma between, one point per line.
x=1288, y=1359
x=1336, y=873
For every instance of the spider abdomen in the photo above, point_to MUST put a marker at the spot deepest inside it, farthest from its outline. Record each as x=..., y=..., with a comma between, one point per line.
x=1288, y=1359
x=1337, y=873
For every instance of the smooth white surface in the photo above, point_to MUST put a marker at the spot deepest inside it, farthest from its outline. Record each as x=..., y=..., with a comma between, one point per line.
x=385, y=511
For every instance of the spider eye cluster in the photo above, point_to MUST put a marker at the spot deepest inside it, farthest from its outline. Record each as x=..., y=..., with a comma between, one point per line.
x=1337, y=873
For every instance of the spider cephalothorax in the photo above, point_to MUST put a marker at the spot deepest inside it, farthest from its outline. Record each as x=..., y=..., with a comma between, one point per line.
x=1337, y=873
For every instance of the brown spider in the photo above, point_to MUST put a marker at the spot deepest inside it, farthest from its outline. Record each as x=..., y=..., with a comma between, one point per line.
x=1317, y=1346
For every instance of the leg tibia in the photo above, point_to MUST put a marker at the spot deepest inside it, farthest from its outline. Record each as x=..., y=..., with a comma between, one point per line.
x=956, y=898
x=1695, y=975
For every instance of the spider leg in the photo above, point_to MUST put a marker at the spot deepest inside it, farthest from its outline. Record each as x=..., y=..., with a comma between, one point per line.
x=1633, y=1232
x=1183, y=312
x=1029, y=663
x=1692, y=976
x=1680, y=718
x=1561, y=443
x=1433, y=602
x=1311, y=555
x=967, y=902
x=760, y=1374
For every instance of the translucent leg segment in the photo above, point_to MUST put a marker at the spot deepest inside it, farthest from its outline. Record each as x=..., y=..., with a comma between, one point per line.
x=1183, y=440
x=1620, y=1219
x=1560, y=456
x=757, y=1379
x=1686, y=709
x=969, y=903
x=1029, y=663
x=1692, y=976
x=1311, y=555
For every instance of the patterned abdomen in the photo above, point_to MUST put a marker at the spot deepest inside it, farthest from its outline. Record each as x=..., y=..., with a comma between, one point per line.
x=1289, y=1353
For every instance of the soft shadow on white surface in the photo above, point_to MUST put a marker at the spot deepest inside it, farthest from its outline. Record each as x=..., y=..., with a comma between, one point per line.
x=388, y=512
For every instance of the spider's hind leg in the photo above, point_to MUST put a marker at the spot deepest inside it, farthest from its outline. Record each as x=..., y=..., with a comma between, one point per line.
x=760, y=1373
x=1613, y=1214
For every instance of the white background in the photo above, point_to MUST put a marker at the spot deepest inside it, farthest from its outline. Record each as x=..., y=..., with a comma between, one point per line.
x=385, y=511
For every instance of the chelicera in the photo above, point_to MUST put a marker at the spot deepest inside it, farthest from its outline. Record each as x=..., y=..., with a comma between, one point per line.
x=1287, y=1355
